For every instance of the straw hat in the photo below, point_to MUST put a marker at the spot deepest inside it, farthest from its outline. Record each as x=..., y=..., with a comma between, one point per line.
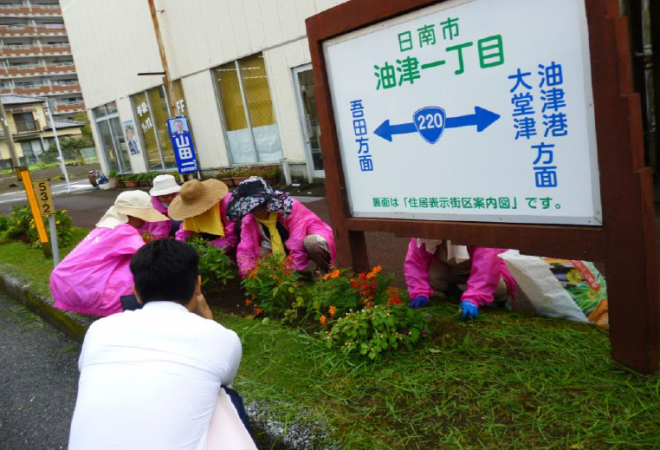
x=197, y=197
x=130, y=203
x=164, y=185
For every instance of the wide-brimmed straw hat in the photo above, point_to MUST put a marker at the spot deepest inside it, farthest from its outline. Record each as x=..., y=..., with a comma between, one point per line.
x=164, y=185
x=130, y=203
x=197, y=197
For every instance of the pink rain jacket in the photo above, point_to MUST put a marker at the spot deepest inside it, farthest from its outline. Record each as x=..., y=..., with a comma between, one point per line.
x=228, y=241
x=96, y=273
x=300, y=224
x=158, y=230
x=485, y=273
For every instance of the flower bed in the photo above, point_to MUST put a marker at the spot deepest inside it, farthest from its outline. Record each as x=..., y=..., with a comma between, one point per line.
x=361, y=314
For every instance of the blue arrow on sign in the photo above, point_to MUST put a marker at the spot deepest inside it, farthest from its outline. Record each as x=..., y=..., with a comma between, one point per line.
x=482, y=118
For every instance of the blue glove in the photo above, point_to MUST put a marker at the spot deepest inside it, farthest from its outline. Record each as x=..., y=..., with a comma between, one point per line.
x=420, y=302
x=470, y=310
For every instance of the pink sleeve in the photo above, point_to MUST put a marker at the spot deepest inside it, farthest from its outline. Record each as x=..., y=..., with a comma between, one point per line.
x=182, y=235
x=416, y=270
x=297, y=224
x=126, y=240
x=159, y=230
x=484, y=275
x=228, y=241
x=247, y=251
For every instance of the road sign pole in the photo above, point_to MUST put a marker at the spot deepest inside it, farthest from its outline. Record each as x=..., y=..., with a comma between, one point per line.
x=53, y=240
x=59, y=148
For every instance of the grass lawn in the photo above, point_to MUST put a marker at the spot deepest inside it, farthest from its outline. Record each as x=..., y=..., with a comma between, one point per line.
x=506, y=381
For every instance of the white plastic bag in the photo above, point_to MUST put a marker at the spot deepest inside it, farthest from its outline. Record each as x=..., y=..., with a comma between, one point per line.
x=544, y=291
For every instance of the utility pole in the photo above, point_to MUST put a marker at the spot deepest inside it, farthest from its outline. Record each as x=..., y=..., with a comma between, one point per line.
x=167, y=82
x=8, y=137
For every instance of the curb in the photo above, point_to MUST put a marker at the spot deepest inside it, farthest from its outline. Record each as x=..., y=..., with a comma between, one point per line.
x=270, y=431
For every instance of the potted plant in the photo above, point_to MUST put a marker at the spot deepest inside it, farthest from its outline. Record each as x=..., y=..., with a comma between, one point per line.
x=225, y=175
x=130, y=181
x=112, y=180
x=272, y=175
x=240, y=174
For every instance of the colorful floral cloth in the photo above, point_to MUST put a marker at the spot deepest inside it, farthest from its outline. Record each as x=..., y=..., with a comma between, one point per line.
x=254, y=192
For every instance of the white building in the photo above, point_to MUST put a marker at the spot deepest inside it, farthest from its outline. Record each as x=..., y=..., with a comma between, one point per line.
x=227, y=57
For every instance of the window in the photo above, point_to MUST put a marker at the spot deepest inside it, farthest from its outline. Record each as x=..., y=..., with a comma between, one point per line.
x=252, y=133
x=25, y=122
x=112, y=138
x=152, y=111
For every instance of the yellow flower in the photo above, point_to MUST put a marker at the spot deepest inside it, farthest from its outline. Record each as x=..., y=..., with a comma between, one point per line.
x=574, y=277
x=57, y=222
x=64, y=211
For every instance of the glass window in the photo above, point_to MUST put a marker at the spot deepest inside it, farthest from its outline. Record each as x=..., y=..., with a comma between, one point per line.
x=253, y=136
x=160, y=113
x=25, y=122
x=179, y=99
x=146, y=130
x=108, y=146
x=152, y=112
x=113, y=142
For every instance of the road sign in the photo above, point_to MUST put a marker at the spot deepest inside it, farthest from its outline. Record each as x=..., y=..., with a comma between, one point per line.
x=44, y=197
x=469, y=111
x=184, y=152
x=371, y=56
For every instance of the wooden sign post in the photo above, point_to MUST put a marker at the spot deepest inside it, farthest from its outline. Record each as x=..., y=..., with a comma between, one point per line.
x=502, y=124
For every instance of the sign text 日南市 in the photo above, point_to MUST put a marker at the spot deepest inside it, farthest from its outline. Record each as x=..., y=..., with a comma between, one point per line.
x=466, y=101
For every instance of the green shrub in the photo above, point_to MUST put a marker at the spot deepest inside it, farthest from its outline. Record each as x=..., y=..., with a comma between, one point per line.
x=372, y=331
x=215, y=267
x=20, y=226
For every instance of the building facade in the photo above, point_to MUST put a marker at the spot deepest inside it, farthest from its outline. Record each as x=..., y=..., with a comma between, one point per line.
x=35, y=55
x=31, y=130
x=241, y=71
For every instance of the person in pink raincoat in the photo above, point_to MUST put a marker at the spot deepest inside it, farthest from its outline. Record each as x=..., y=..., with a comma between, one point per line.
x=273, y=222
x=202, y=206
x=434, y=265
x=93, y=277
x=165, y=190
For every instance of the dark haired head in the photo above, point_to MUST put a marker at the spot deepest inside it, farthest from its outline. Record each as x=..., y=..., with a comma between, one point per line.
x=165, y=270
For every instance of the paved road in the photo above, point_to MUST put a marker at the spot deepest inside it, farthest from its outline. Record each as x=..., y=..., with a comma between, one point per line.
x=38, y=381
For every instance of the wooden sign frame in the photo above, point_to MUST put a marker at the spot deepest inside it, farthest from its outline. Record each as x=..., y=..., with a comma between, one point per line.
x=626, y=242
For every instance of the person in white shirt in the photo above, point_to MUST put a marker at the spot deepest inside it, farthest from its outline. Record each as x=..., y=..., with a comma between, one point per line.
x=155, y=378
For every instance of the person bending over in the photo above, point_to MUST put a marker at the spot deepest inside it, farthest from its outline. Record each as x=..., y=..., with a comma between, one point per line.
x=163, y=193
x=154, y=378
x=435, y=265
x=93, y=277
x=273, y=222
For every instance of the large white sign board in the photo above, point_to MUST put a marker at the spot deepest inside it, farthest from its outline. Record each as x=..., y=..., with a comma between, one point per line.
x=469, y=110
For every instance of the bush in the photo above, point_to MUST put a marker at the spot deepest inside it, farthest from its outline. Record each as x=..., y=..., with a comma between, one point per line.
x=372, y=331
x=272, y=286
x=20, y=226
x=70, y=145
x=215, y=267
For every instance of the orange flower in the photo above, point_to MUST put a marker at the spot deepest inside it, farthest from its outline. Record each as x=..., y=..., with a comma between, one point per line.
x=333, y=311
x=323, y=320
x=334, y=275
x=326, y=277
x=247, y=302
x=371, y=275
x=257, y=310
x=376, y=269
